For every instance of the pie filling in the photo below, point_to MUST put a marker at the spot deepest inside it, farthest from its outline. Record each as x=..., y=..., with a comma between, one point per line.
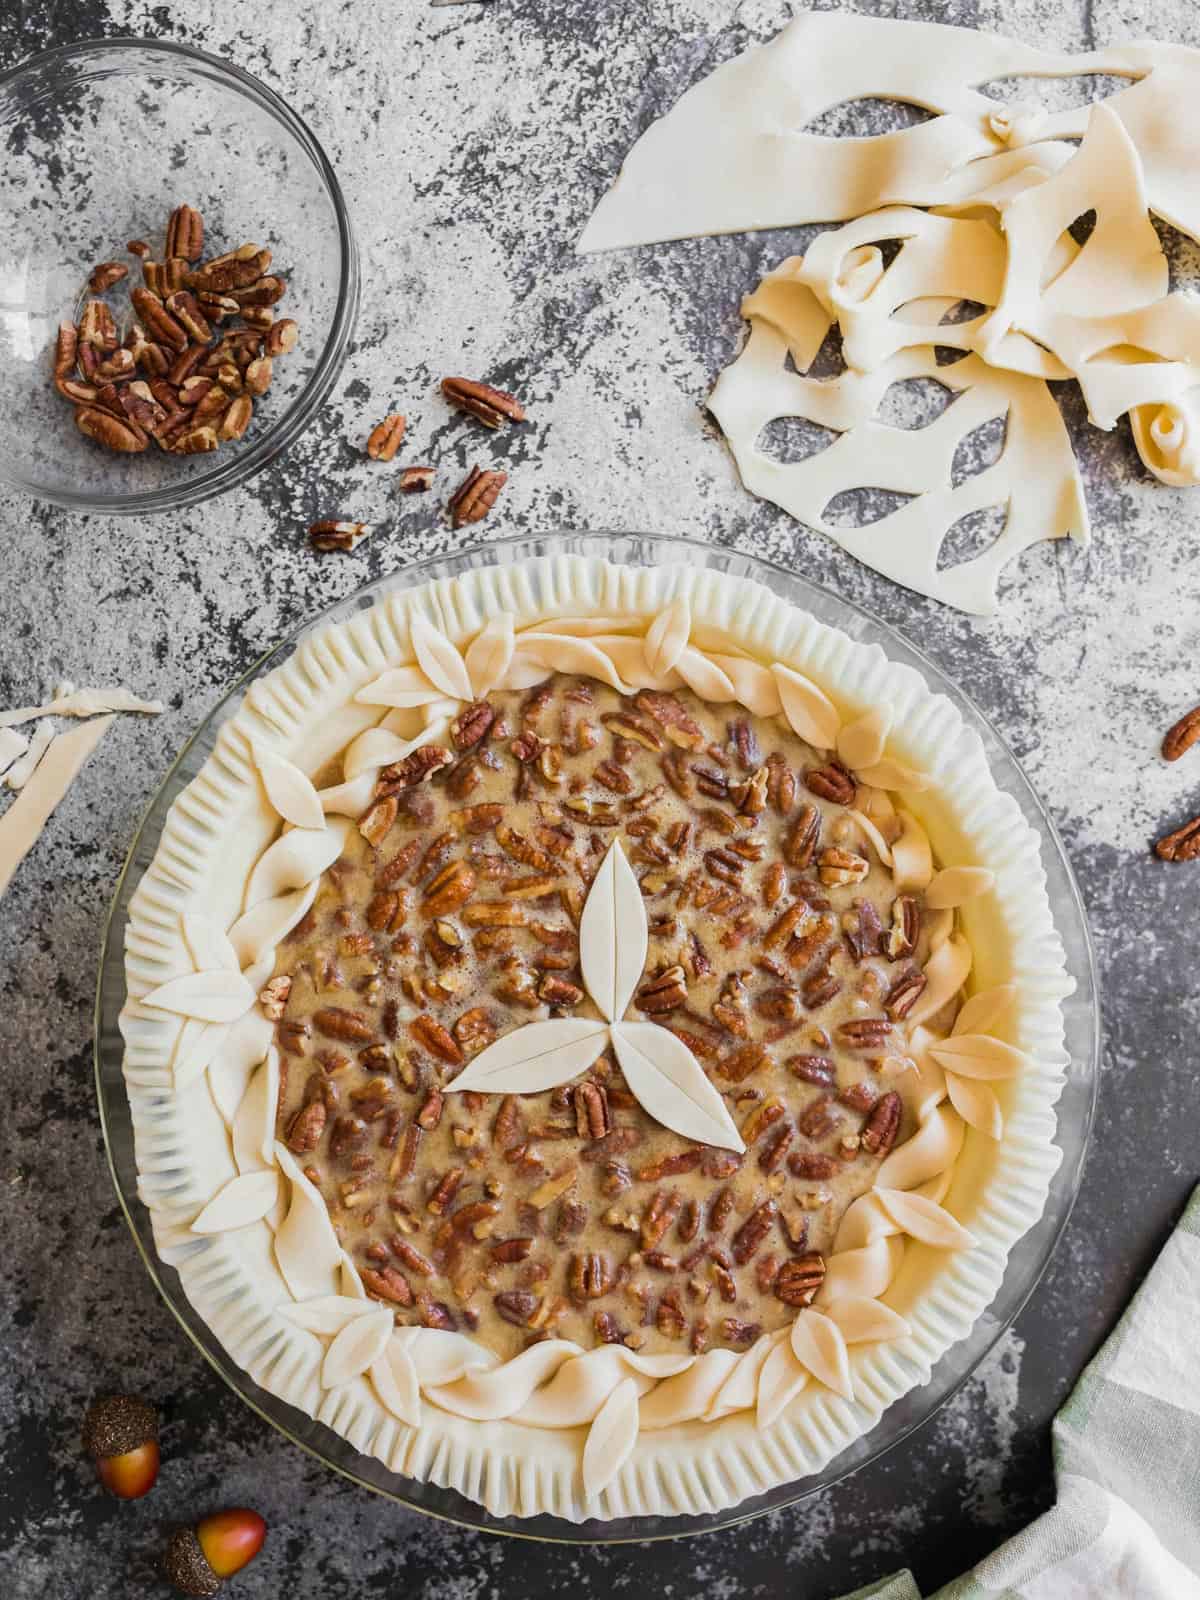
x=784, y=952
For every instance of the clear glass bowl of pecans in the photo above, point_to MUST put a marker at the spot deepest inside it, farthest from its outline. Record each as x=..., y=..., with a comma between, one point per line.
x=180, y=280
x=1075, y=1110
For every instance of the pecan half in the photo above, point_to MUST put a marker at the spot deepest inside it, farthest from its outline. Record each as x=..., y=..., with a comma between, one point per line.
x=415, y=768
x=428, y=1031
x=518, y=1306
x=590, y=1275
x=452, y=887
x=185, y=233
x=679, y=726
x=385, y=1283
x=663, y=993
x=306, y=1128
x=803, y=836
x=386, y=437
x=475, y=496
x=864, y=1033
x=906, y=927
x=1182, y=735
x=882, y=1125
x=103, y=427
x=798, y=1280
x=472, y=724
x=351, y=1027
x=832, y=783
x=492, y=407
x=904, y=994
x=753, y=1231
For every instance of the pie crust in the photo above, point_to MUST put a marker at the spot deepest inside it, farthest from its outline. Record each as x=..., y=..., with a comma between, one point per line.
x=562, y=1429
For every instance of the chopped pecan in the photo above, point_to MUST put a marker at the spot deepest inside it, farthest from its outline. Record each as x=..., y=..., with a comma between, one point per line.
x=105, y=274
x=679, y=726
x=415, y=768
x=415, y=480
x=858, y=1096
x=742, y=1062
x=351, y=1027
x=659, y=1215
x=753, y=1231
x=385, y=1283
x=475, y=496
x=774, y=883
x=781, y=784
x=451, y=888
x=475, y=1028
x=472, y=724
x=444, y=1190
x=411, y=1257
x=837, y=867
x=430, y=1113
x=1182, y=845
x=274, y=997
x=592, y=1117
x=904, y=994
x=738, y=1332
x=906, y=927
x=770, y=1157
x=864, y=1033
x=663, y=992
x=348, y=1133
x=814, y=1165
x=818, y=1118
x=798, y=1280
x=507, y=1251
x=670, y=1165
x=125, y=437
x=720, y=1211
x=556, y=991
x=813, y=1069
x=518, y=1306
x=430, y=1033
x=751, y=797
x=307, y=1127
x=607, y=1328
x=377, y=820
x=819, y=989
x=882, y=1125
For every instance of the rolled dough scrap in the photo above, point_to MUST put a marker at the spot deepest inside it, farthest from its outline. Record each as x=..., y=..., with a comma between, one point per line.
x=733, y=153
x=1035, y=480
x=23, y=769
x=12, y=745
x=72, y=702
x=24, y=820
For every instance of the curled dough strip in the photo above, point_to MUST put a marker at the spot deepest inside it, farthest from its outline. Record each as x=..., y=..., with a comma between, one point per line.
x=667, y=637
x=583, y=1383
x=932, y=1149
x=490, y=1396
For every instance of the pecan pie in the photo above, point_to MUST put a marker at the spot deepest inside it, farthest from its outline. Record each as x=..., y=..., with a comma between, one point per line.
x=558, y=1028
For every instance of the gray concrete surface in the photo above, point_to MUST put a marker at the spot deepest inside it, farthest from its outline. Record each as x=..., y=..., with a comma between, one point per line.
x=471, y=141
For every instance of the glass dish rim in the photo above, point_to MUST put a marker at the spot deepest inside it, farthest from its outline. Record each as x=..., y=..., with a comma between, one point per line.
x=1048, y=1231
x=286, y=429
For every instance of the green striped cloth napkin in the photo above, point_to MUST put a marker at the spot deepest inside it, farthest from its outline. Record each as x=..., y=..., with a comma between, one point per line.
x=1126, y=1460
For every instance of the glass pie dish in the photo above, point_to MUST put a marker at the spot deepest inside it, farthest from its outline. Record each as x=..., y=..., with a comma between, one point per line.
x=1025, y=1262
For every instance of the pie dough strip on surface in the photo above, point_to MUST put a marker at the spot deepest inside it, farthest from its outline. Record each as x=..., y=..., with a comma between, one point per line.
x=27, y=816
x=732, y=154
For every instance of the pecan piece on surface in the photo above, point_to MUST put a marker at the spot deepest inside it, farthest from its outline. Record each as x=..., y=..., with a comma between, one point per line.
x=589, y=1275
x=679, y=726
x=274, y=997
x=125, y=437
x=415, y=480
x=351, y=1027
x=663, y=993
x=864, y=1033
x=798, y=1280
x=332, y=534
x=1182, y=735
x=282, y=337
x=472, y=724
x=507, y=1251
x=418, y=767
x=813, y=1069
x=906, y=927
x=386, y=437
x=904, y=994
x=449, y=889
x=813, y=1165
x=1182, y=845
x=475, y=496
x=518, y=1306
x=659, y=1215
x=882, y=1125
x=832, y=783
x=838, y=867
x=493, y=407
x=105, y=274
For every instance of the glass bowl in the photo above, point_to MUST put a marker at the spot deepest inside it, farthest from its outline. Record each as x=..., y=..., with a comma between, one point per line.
x=1026, y=1262
x=101, y=140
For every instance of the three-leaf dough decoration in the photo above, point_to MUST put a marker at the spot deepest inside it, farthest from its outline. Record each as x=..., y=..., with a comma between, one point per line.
x=661, y=1072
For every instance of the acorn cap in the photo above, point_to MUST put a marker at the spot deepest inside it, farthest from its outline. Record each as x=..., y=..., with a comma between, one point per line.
x=185, y=1565
x=117, y=1423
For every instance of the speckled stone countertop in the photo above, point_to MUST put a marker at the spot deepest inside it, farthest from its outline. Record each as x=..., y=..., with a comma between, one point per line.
x=471, y=142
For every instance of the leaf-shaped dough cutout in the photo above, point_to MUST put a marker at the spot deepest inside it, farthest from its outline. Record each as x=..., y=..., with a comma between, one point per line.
x=976, y=1104
x=208, y=944
x=289, y=790
x=702, y=675
x=809, y=710
x=327, y=1315
x=953, y=886
x=560, y=652
x=912, y=858
x=400, y=687
x=878, y=843
x=860, y=743
x=489, y=655
x=817, y=1344
x=889, y=774
x=306, y=1248
x=439, y=1357
x=197, y=1045
x=611, y=1438
x=945, y=973
x=243, y=1200
x=613, y=935
x=361, y=1342
x=865, y=1321
x=293, y=861
x=754, y=685
x=260, y=930
x=541, y=1055
x=394, y=1379
x=976, y=1055
x=740, y=1390
x=932, y=1149
x=671, y=1086
x=923, y=1220
x=667, y=635
x=983, y=1012
x=374, y=748
x=780, y=1381
x=208, y=996
x=254, y=1124
x=439, y=660
x=349, y=799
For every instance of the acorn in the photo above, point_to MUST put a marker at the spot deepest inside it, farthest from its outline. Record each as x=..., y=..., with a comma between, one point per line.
x=120, y=1433
x=199, y=1559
